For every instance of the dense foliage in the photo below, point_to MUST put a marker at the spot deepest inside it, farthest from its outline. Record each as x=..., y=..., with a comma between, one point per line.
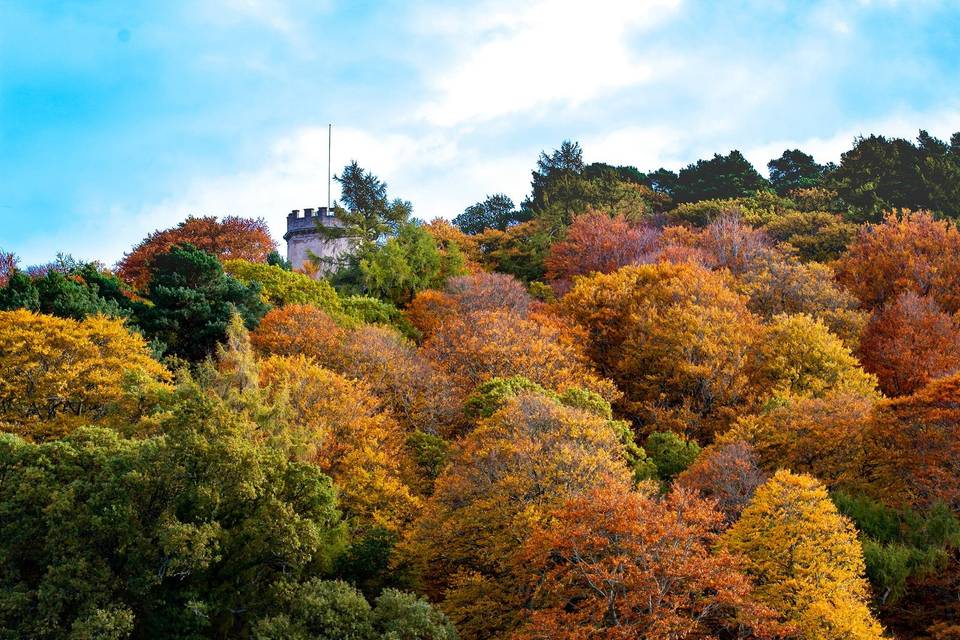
x=672, y=405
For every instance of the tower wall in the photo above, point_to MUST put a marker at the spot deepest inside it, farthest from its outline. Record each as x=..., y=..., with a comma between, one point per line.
x=303, y=237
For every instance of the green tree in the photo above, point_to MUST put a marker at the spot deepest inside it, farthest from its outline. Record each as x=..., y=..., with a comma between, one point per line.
x=179, y=535
x=729, y=176
x=193, y=301
x=495, y=212
x=366, y=214
x=407, y=263
x=795, y=169
x=671, y=453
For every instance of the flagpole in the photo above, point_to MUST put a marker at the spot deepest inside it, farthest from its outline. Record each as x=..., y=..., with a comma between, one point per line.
x=329, y=147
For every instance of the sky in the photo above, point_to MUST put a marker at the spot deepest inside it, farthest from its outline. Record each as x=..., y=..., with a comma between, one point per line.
x=118, y=118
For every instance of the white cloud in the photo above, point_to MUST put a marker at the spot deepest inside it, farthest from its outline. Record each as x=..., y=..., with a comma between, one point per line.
x=941, y=123
x=550, y=52
x=431, y=171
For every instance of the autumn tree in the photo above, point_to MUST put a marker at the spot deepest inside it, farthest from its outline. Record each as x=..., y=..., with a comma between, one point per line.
x=476, y=347
x=913, y=446
x=297, y=329
x=616, y=563
x=784, y=285
x=823, y=437
x=798, y=356
x=727, y=473
x=229, y=238
x=507, y=476
x=816, y=235
x=910, y=341
x=8, y=265
x=805, y=559
x=905, y=252
x=597, y=242
x=338, y=425
x=519, y=251
x=57, y=374
x=676, y=340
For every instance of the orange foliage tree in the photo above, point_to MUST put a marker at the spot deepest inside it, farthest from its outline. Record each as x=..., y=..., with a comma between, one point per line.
x=913, y=446
x=910, y=341
x=506, y=476
x=417, y=393
x=58, y=373
x=297, y=329
x=615, y=563
x=905, y=252
x=229, y=238
x=819, y=436
x=475, y=347
x=597, y=242
x=676, y=340
x=727, y=473
x=483, y=291
x=337, y=424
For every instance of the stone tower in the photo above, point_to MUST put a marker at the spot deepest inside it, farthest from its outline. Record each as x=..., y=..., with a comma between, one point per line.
x=303, y=237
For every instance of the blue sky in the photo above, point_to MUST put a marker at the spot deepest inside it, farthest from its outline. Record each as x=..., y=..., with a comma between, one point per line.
x=117, y=118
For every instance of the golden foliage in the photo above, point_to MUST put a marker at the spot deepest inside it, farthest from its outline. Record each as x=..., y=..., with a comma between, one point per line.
x=337, y=424
x=58, y=373
x=805, y=558
x=676, y=340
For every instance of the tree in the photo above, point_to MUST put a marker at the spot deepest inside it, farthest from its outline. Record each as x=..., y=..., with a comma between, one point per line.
x=57, y=373
x=297, y=329
x=913, y=447
x=823, y=437
x=338, y=425
x=879, y=174
x=798, y=356
x=367, y=213
x=596, y=242
x=795, y=169
x=333, y=610
x=8, y=265
x=193, y=301
x=78, y=291
x=909, y=342
x=784, y=285
x=180, y=535
x=906, y=252
x=675, y=338
x=727, y=473
x=495, y=212
x=729, y=176
x=805, y=559
x=615, y=563
x=407, y=263
x=229, y=238
x=475, y=347
x=671, y=453
x=816, y=235
x=564, y=163
x=506, y=476
x=282, y=286
x=518, y=251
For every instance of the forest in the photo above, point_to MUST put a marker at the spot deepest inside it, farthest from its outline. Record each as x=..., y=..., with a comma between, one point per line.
x=705, y=404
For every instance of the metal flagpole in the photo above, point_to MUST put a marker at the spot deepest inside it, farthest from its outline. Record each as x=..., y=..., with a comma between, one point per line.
x=329, y=147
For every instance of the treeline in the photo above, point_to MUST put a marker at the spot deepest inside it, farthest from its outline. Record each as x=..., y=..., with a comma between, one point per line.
x=703, y=403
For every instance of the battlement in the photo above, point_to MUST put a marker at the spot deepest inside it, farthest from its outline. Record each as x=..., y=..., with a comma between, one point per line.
x=303, y=238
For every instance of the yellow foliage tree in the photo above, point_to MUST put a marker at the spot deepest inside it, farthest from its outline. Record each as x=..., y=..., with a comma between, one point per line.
x=798, y=356
x=805, y=558
x=58, y=373
x=337, y=424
